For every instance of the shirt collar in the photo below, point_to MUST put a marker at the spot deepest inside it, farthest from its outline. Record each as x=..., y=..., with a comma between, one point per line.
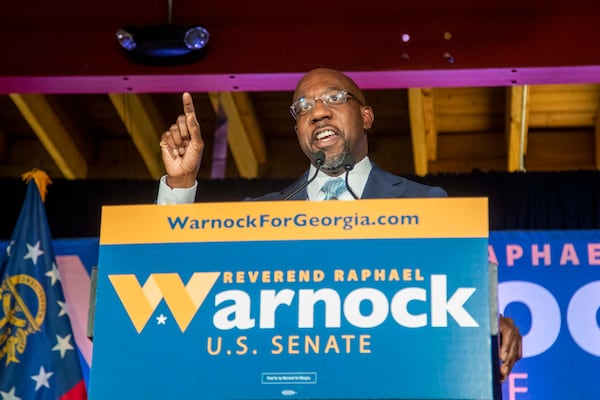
x=357, y=180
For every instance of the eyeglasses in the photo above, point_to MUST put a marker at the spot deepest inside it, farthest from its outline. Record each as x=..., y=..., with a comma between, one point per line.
x=331, y=98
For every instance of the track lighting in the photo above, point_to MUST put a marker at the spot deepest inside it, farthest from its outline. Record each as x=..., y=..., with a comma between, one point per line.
x=163, y=44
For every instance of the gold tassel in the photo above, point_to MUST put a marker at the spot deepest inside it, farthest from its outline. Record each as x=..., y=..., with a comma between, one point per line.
x=42, y=180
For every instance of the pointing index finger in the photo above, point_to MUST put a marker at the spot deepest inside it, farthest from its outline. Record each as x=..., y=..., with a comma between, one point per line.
x=188, y=110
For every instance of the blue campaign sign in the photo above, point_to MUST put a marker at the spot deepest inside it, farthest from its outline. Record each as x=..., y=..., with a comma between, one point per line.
x=314, y=317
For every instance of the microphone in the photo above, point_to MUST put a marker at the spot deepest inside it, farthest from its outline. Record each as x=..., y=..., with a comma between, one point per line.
x=349, y=162
x=319, y=160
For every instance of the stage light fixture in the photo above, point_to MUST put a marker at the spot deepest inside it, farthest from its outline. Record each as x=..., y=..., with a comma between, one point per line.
x=163, y=44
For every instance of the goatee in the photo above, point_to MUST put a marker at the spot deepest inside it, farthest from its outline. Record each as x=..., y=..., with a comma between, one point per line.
x=335, y=162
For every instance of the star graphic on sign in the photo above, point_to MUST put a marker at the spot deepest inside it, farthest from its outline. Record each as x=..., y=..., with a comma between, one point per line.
x=54, y=274
x=10, y=395
x=64, y=308
x=41, y=379
x=33, y=252
x=63, y=345
x=161, y=319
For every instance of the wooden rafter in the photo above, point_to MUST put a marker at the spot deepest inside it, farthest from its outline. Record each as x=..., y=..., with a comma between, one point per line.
x=140, y=117
x=51, y=131
x=431, y=134
x=422, y=128
x=244, y=136
x=516, y=127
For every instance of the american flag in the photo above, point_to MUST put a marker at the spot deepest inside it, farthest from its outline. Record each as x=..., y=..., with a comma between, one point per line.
x=38, y=355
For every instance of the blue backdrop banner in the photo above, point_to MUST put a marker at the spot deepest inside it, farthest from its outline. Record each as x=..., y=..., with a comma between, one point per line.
x=549, y=283
x=550, y=286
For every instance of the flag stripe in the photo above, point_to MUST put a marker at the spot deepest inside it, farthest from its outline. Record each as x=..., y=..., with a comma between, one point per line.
x=76, y=286
x=77, y=392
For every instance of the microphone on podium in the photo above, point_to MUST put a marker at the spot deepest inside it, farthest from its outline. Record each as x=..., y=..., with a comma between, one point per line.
x=319, y=160
x=349, y=162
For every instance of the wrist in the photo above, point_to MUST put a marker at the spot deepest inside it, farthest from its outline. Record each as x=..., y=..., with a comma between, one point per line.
x=180, y=182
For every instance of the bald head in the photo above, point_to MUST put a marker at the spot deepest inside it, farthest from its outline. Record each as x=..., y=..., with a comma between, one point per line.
x=330, y=78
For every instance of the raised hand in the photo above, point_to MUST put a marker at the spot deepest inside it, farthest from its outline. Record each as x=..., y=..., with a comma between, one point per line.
x=182, y=146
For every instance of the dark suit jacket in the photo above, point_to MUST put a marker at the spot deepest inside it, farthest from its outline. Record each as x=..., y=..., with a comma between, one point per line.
x=380, y=185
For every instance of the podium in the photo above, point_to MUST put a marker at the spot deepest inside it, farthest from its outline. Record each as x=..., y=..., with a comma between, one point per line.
x=368, y=299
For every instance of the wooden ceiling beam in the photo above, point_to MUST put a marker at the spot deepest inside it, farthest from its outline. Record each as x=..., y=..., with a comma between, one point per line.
x=517, y=127
x=50, y=130
x=563, y=106
x=141, y=119
x=431, y=133
x=420, y=111
x=244, y=136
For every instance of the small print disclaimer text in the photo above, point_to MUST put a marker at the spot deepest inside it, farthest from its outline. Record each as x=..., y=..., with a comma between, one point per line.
x=274, y=378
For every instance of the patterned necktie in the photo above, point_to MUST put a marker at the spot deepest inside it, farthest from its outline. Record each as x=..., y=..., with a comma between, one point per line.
x=333, y=188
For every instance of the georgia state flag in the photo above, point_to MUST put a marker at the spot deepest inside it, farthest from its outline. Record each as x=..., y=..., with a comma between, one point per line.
x=38, y=355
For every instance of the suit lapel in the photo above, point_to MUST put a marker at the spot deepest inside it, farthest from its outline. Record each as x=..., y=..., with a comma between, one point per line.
x=381, y=185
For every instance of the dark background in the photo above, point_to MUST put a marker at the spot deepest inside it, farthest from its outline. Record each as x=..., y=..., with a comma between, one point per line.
x=530, y=201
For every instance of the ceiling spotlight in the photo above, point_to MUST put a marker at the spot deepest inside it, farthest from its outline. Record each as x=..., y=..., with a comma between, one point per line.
x=163, y=44
x=196, y=38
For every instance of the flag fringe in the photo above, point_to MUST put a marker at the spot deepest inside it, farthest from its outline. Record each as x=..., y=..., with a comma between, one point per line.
x=41, y=178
